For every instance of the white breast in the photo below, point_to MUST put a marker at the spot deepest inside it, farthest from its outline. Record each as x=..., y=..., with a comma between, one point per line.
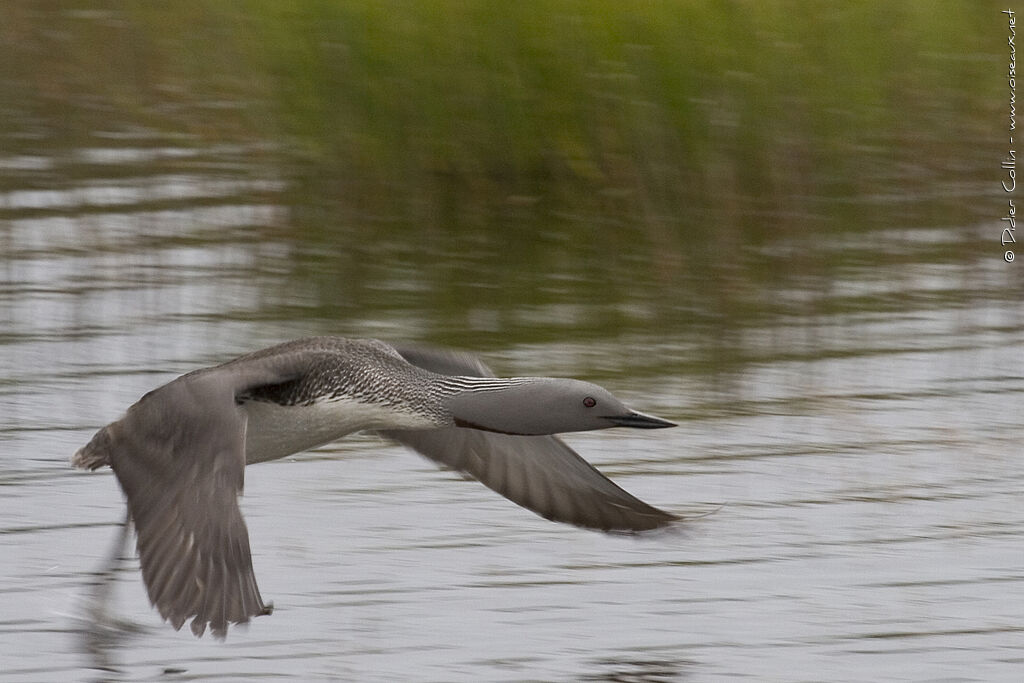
x=274, y=431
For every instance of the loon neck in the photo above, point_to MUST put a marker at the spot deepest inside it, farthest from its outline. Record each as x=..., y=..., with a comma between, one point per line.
x=451, y=385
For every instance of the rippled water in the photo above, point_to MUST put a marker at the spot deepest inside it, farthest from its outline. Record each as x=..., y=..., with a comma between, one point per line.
x=844, y=365
x=857, y=487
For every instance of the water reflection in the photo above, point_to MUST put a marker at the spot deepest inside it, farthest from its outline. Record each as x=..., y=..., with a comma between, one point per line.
x=791, y=265
x=634, y=669
x=862, y=457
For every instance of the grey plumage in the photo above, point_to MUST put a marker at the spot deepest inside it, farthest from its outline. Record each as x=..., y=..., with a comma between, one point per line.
x=540, y=473
x=179, y=453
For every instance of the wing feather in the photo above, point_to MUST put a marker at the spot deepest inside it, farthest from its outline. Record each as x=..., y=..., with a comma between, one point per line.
x=540, y=473
x=179, y=456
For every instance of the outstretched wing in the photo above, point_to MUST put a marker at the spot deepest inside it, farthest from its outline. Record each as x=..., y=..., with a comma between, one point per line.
x=540, y=473
x=179, y=456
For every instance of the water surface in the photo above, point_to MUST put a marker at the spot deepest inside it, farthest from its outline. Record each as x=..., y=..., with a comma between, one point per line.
x=841, y=350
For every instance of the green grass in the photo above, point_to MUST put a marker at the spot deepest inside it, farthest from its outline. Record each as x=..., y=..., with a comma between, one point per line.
x=693, y=154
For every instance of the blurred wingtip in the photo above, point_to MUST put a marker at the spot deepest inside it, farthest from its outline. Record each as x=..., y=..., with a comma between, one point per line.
x=679, y=525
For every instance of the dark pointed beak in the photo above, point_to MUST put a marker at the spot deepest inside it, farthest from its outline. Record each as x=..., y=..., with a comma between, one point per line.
x=639, y=421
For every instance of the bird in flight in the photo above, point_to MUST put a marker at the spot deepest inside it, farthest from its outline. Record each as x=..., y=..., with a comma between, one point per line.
x=180, y=452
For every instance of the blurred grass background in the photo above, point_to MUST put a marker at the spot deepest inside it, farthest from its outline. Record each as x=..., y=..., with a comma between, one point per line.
x=683, y=156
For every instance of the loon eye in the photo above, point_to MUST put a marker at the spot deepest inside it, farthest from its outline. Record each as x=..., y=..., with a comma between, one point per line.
x=589, y=402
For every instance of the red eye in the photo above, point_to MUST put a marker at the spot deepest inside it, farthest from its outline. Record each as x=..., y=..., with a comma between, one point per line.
x=589, y=402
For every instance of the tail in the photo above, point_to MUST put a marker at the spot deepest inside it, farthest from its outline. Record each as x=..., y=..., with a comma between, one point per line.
x=94, y=454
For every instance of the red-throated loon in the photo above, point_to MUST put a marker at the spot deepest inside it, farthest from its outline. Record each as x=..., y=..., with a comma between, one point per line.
x=179, y=453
